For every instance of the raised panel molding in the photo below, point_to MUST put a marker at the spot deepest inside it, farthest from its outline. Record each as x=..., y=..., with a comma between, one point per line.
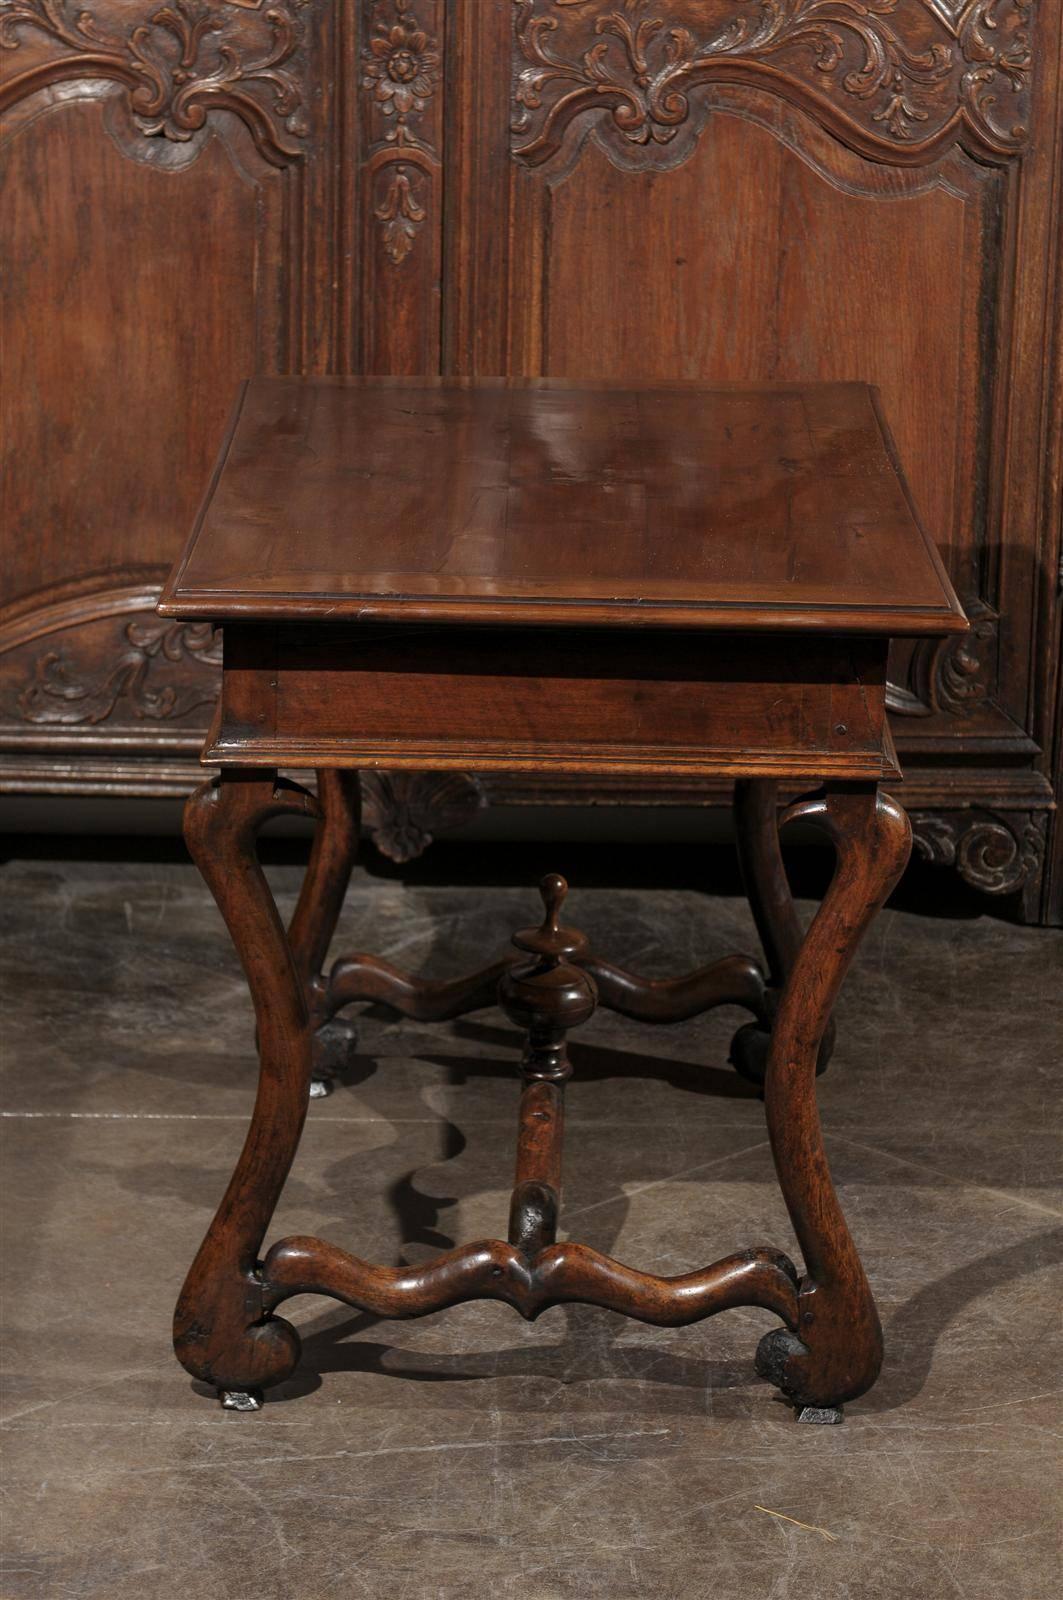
x=178, y=63
x=896, y=80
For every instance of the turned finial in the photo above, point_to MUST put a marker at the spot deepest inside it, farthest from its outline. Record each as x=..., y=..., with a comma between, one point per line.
x=552, y=890
x=550, y=940
x=548, y=994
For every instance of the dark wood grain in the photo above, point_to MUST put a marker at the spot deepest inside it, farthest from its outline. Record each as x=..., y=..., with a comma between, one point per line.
x=756, y=816
x=368, y=978
x=563, y=1274
x=328, y=873
x=332, y=856
x=221, y=1333
x=732, y=981
x=777, y=194
x=546, y=993
x=799, y=692
x=837, y=1352
x=485, y=699
x=715, y=507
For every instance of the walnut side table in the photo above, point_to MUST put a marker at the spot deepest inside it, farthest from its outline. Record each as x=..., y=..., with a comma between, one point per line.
x=535, y=576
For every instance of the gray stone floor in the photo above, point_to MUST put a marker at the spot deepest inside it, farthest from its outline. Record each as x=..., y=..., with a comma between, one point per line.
x=469, y=1455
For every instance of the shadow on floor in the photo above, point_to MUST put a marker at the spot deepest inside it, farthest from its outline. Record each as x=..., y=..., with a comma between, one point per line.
x=925, y=889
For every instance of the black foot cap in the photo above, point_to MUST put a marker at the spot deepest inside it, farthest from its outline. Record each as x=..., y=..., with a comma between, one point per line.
x=749, y=1053
x=750, y=1046
x=334, y=1044
x=820, y=1414
x=240, y=1399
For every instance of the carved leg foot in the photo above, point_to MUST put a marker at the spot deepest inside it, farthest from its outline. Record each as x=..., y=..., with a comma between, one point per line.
x=774, y=1351
x=334, y=1043
x=223, y=1332
x=836, y=1352
x=313, y=924
x=749, y=1051
x=764, y=874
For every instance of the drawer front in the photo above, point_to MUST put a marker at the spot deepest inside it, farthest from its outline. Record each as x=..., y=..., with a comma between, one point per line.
x=551, y=700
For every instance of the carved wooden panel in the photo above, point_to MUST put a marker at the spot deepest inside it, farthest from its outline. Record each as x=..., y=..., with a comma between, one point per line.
x=896, y=81
x=402, y=126
x=999, y=853
x=191, y=190
x=758, y=295
x=115, y=303
x=176, y=64
x=158, y=169
x=757, y=189
x=104, y=658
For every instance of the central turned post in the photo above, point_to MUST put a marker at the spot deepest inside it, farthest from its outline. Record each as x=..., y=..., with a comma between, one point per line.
x=546, y=996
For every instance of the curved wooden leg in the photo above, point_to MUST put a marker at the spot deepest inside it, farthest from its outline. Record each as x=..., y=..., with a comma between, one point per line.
x=222, y=1331
x=313, y=924
x=756, y=816
x=837, y=1351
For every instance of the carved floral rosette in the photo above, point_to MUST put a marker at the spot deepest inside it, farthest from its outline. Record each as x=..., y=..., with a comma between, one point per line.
x=897, y=80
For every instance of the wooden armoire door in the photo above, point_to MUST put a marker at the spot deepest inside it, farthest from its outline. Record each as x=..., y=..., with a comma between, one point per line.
x=716, y=189
x=166, y=177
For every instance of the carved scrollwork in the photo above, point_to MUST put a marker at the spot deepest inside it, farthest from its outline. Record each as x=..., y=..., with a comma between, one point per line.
x=401, y=809
x=183, y=61
x=995, y=44
x=952, y=675
x=996, y=852
x=400, y=74
x=58, y=694
x=896, y=82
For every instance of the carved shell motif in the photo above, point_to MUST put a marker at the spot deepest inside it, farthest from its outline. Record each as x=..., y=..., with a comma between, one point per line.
x=898, y=80
x=400, y=809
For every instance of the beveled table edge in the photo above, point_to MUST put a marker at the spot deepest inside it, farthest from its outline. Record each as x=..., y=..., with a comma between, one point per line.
x=717, y=616
x=368, y=756
x=218, y=606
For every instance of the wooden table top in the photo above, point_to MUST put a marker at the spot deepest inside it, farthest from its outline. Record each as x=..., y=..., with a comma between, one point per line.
x=740, y=507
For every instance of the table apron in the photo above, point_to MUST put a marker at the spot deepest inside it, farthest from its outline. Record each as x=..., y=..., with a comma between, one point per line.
x=559, y=700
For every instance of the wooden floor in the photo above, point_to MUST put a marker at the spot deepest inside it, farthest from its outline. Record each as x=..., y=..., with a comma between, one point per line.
x=470, y=1456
